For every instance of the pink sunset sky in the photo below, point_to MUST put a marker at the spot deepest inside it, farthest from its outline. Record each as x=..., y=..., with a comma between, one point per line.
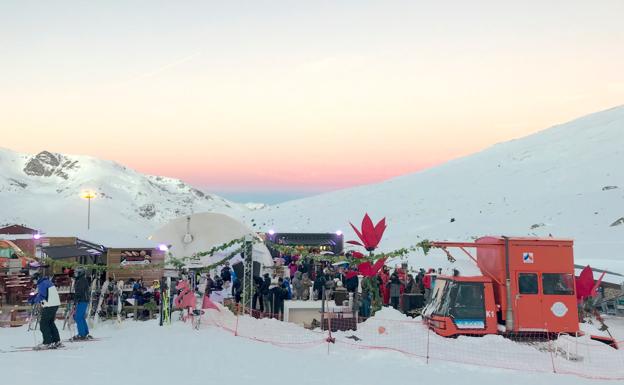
x=299, y=96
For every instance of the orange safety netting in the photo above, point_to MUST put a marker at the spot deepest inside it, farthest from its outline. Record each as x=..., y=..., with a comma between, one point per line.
x=536, y=352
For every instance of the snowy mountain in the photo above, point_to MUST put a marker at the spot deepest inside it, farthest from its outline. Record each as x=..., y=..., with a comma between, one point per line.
x=567, y=181
x=43, y=191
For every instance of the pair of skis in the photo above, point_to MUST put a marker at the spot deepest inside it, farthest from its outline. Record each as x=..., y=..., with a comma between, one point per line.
x=19, y=349
x=165, y=302
x=68, y=317
x=103, y=296
x=73, y=345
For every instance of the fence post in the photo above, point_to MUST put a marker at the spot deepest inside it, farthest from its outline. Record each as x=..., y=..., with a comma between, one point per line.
x=237, y=316
x=552, y=358
x=428, y=331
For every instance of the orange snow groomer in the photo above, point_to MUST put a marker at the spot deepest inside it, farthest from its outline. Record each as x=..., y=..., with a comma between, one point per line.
x=526, y=286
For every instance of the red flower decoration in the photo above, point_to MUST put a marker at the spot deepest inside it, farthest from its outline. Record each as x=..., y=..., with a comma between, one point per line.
x=585, y=285
x=357, y=255
x=368, y=270
x=370, y=234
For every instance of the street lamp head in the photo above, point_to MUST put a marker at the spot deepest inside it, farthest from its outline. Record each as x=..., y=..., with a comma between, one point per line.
x=87, y=194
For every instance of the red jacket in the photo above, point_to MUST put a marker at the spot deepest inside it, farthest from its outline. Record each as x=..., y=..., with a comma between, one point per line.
x=427, y=281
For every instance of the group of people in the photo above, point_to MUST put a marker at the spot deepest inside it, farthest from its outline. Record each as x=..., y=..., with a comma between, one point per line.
x=305, y=280
x=46, y=297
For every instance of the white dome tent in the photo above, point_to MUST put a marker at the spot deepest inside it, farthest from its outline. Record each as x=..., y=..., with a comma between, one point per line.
x=201, y=232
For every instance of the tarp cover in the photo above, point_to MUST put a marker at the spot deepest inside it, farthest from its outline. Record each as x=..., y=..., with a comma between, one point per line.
x=70, y=251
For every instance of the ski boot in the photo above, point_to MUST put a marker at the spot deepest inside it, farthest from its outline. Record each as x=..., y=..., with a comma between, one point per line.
x=43, y=347
x=56, y=345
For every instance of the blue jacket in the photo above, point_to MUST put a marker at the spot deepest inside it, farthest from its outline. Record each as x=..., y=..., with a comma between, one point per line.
x=46, y=293
x=287, y=286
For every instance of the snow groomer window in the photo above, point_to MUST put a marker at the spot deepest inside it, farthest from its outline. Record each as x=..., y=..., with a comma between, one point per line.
x=558, y=283
x=527, y=283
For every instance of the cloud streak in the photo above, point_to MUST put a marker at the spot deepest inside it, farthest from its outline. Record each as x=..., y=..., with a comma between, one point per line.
x=168, y=66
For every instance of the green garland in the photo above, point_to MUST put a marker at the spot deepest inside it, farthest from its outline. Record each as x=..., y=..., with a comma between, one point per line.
x=53, y=263
x=305, y=252
x=179, y=263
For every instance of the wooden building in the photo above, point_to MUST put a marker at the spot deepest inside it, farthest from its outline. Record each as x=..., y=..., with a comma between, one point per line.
x=120, y=263
x=23, y=237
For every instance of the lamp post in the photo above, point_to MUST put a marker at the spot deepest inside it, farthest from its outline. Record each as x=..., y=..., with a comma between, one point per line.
x=88, y=195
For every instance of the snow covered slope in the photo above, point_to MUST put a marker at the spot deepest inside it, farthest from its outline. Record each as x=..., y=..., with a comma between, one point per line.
x=43, y=191
x=567, y=181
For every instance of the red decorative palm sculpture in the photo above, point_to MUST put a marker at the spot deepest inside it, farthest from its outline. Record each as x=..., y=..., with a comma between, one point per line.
x=585, y=284
x=370, y=234
x=368, y=270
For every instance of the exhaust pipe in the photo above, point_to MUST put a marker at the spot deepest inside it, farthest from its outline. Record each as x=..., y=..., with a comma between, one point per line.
x=509, y=316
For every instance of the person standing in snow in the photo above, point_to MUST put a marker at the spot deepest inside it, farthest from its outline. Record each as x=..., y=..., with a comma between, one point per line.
x=47, y=296
x=306, y=284
x=257, y=302
x=226, y=274
x=266, y=285
x=209, y=285
x=297, y=286
x=278, y=293
x=286, y=285
x=237, y=290
x=81, y=300
x=394, y=290
x=384, y=278
x=411, y=286
x=427, y=284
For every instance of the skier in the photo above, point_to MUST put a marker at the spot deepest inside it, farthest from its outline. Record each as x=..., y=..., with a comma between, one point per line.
x=81, y=299
x=48, y=297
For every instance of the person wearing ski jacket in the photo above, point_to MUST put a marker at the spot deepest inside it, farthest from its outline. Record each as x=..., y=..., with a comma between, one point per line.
x=411, y=286
x=209, y=286
x=427, y=280
x=81, y=301
x=278, y=293
x=319, y=285
x=47, y=296
x=226, y=274
x=384, y=278
x=286, y=285
x=257, y=302
x=237, y=290
x=265, y=291
x=394, y=285
x=351, y=283
x=297, y=286
x=306, y=284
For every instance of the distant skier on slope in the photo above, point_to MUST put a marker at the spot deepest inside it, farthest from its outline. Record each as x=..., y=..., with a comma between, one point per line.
x=81, y=299
x=48, y=297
